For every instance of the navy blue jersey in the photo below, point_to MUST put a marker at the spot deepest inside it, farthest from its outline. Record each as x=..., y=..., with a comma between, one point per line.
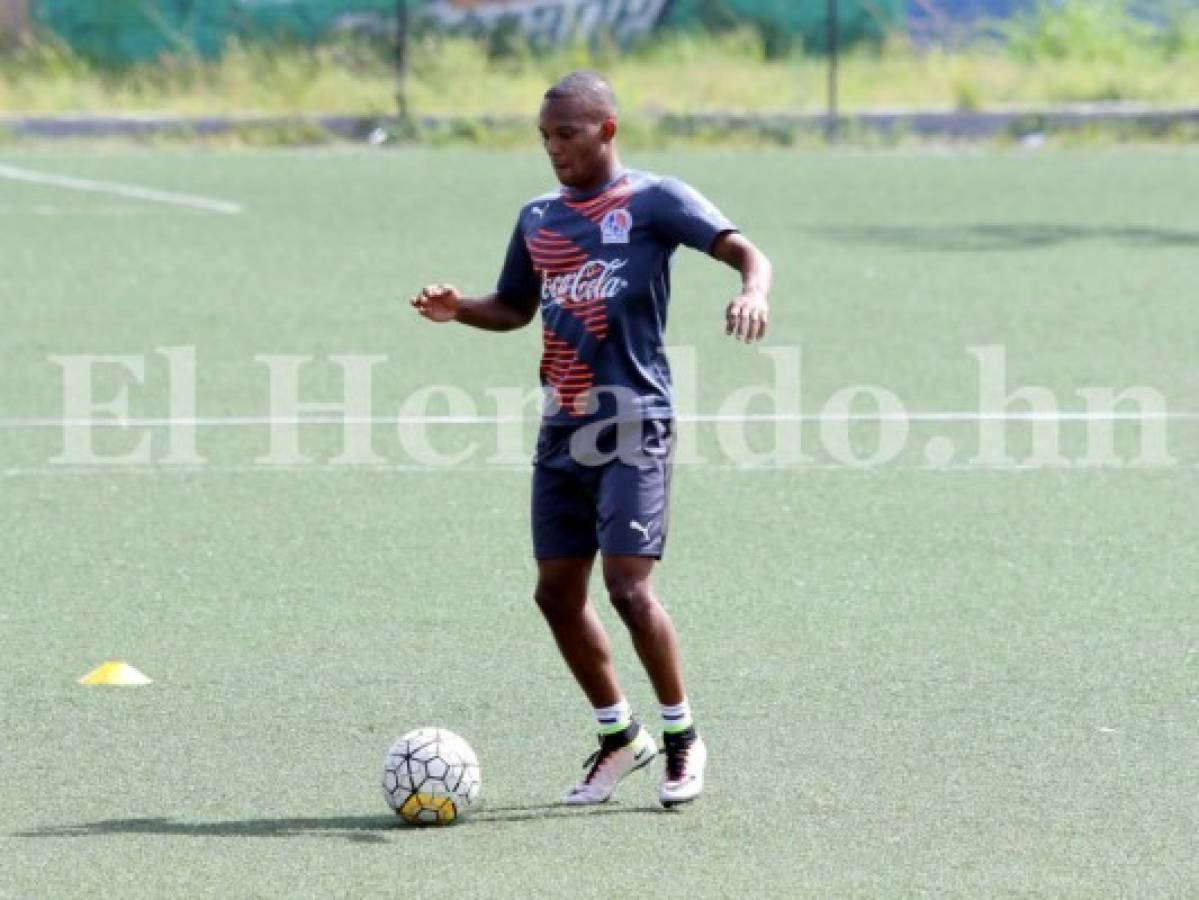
x=600, y=264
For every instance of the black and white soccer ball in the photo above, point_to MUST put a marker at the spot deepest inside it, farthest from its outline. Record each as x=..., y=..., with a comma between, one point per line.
x=431, y=777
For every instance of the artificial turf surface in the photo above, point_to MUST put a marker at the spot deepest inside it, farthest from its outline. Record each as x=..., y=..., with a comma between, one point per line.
x=966, y=679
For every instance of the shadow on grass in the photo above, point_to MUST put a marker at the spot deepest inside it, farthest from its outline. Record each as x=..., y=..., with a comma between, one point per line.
x=357, y=829
x=1005, y=237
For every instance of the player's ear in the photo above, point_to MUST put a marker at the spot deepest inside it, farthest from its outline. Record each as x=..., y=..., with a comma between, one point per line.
x=608, y=129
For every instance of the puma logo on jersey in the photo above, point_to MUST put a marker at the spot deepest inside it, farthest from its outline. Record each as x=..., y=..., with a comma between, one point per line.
x=540, y=210
x=637, y=526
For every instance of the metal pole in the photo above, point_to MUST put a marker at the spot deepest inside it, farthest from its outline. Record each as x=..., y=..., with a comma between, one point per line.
x=403, y=27
x=832, y=123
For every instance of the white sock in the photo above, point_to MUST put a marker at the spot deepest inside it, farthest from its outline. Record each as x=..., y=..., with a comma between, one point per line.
x=614, y=718
x=676, y=718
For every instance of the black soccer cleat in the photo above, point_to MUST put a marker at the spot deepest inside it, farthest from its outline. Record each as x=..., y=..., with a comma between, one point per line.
x=686, y=757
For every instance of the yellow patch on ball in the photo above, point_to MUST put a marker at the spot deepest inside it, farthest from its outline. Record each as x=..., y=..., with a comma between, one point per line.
x=428, y=809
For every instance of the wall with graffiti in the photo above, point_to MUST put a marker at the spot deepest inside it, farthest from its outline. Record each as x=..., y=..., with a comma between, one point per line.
x=552, y=22
x=131, y=30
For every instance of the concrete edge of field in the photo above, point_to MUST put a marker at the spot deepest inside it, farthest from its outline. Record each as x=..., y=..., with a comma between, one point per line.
x=925, y=122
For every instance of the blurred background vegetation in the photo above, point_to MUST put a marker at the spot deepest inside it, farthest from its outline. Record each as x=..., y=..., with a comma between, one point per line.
x=716, y=58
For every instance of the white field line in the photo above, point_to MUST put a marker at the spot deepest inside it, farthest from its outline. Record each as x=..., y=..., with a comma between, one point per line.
x=18, y=423
x=207, y=204
x=164, y=470
x=49, y=209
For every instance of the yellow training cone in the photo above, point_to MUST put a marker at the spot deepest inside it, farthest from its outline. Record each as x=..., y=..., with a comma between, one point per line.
x=114, y=672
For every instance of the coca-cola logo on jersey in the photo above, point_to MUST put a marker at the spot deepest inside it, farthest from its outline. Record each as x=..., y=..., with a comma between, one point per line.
x=596, y=279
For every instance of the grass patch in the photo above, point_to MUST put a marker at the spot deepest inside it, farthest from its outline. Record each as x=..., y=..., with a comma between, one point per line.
x=986, y=679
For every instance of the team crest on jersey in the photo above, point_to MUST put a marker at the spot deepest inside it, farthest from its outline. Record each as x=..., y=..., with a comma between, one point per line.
x=616, y=225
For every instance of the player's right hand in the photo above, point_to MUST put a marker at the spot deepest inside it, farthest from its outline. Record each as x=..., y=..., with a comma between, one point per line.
x=438, y=302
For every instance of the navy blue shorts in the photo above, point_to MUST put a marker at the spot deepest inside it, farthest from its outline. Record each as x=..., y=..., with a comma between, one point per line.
x=604, y=490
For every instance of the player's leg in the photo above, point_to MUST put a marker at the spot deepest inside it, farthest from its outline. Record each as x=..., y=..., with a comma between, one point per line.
x=633, y=500
x=624, y=746
x=656, y=641
x=565, y=545
x=561, y=595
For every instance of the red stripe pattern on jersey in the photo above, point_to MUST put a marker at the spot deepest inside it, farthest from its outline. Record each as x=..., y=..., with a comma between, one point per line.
x=597, y=207
x=556, y=256
x=563, y=371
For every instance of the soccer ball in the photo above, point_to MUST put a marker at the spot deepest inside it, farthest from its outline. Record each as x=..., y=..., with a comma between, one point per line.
x=430, y=777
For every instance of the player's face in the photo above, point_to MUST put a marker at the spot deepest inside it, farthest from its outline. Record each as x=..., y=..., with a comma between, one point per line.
x=578, y=143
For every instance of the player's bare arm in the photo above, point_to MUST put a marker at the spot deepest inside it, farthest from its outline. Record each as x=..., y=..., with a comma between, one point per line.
x=748, y=313
x=445, y=303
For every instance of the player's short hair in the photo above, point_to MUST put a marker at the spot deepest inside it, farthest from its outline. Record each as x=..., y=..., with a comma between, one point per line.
x=591, y=88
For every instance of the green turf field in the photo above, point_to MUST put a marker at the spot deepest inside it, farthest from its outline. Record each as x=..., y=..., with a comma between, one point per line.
x=954, y=679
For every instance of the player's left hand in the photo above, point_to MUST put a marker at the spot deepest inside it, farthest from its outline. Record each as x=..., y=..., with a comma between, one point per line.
x=746, y=318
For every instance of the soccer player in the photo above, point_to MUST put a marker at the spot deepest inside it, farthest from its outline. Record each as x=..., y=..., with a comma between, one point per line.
x=594, y=257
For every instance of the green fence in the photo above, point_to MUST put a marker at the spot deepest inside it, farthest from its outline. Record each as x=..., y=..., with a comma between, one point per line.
x=119, y=31
x=784, y=22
